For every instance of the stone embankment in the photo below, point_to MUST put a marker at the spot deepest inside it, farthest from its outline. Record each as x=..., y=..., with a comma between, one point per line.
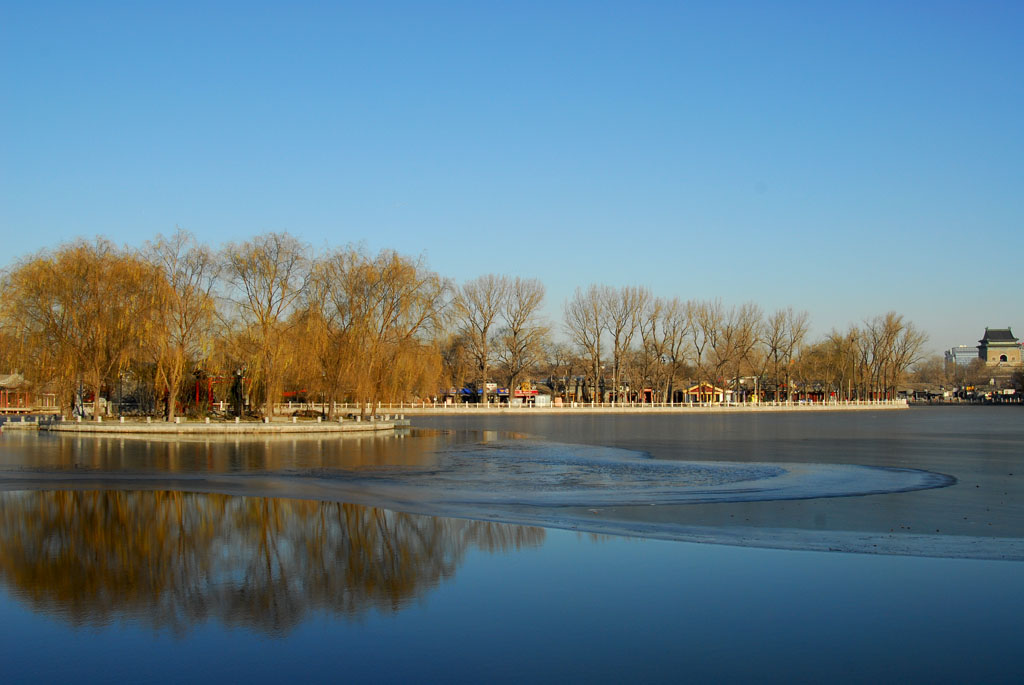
x=222, y=428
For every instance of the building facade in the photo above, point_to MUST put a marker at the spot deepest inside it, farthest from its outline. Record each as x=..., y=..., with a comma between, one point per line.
x=962, y=355
x=999, y=347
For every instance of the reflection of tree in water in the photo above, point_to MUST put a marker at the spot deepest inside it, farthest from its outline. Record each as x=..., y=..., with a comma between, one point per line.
x=173, y=559
x=225, y=453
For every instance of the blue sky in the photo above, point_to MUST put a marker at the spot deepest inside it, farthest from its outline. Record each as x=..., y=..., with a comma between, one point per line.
x=844, y=158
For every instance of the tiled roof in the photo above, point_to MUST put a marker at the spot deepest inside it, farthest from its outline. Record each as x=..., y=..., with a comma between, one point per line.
x=998, y=335
x=11, y=380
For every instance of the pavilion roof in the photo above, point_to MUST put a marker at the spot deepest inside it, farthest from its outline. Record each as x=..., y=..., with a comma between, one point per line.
x=998, y=335
x=11, y=380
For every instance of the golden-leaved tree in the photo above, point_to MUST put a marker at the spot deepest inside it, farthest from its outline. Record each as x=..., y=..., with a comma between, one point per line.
x=376, y=320
x=185, y=322
x=87, y=309
x=266, y=280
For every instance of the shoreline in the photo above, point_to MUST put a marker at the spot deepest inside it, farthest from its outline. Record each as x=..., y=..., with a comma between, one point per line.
x=480, y=410
x=391, y=419
x=196, y=428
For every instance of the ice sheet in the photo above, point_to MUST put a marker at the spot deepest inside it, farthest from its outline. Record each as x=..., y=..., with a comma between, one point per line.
x=537, y=473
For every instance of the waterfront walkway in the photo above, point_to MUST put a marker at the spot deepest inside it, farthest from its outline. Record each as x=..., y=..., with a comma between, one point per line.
x=393, y=414
x=439, y=409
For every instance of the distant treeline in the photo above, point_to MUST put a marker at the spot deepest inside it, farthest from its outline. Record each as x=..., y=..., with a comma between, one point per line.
x=358, y=327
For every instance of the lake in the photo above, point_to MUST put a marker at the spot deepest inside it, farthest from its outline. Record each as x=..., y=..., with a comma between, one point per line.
x=843, y=546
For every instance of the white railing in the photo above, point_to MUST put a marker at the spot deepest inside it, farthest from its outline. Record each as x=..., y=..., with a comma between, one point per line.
x=349, y=407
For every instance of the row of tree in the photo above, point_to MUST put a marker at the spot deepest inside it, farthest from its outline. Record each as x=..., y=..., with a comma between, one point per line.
x=269, y=315
x=658, y=342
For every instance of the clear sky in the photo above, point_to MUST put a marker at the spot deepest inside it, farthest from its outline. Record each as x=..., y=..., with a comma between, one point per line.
x=844, y=158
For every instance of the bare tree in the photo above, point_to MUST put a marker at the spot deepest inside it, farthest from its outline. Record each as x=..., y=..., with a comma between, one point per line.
x=906, y=352
x=649, y=365
x=736, y=342
x=707, y=317
x=677, y=323
x=774, y=340
x=839, y=351
x=478, y=306
x=624, y=308
x=563, y=365
x=796, y=327
x=522, y=339
x=783, y=333
x=663, y=333
x=585, y=324
x=891, y=346
x=932, y=370
x=869, y=361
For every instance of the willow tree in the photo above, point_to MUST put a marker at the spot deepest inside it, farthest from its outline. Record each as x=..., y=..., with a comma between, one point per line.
x=189, y=272
x=89, y=307
x=330, y=319
x=335, y=321
x=36, y=312
x=16, y=355
x=402, y=313
x=456, y=362
x=377, y=318
x=266, y=279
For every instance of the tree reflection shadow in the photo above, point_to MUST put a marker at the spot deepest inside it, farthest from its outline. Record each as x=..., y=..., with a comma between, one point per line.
x=172, y=560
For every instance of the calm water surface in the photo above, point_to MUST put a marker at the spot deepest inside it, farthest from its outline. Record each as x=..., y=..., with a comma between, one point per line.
x=106, y=572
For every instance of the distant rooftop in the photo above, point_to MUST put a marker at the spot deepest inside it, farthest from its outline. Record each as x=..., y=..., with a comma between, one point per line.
x=11, y=380
x=998, y=335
